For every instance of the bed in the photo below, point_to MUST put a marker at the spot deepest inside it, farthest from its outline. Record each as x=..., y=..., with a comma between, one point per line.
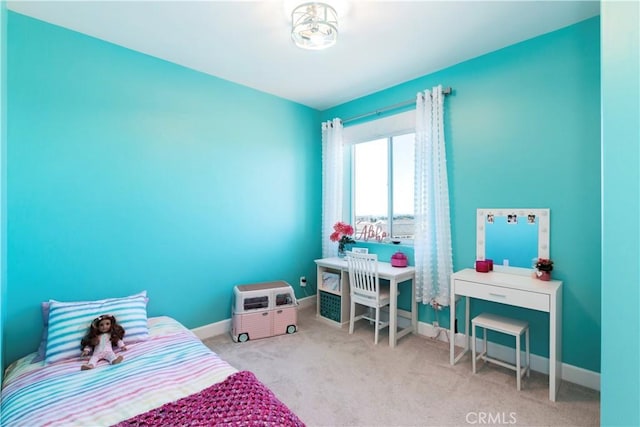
x=169, y=378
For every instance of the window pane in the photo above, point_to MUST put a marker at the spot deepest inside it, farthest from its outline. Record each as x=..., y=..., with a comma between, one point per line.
x=403, y=182
x=371, y=188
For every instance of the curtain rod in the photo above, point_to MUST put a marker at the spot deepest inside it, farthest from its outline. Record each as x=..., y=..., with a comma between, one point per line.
x=445, y=91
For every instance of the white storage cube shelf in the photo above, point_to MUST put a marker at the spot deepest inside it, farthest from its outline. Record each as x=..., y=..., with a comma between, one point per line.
x=332, y=302
x=263, y=310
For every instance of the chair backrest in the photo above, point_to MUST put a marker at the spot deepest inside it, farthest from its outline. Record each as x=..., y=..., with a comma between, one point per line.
x=363, y=275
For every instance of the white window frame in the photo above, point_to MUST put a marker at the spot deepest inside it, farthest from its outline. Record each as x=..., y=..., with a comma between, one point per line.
x=385, y=128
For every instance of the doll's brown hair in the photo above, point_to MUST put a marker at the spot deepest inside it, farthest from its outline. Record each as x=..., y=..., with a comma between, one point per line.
x=91, y=337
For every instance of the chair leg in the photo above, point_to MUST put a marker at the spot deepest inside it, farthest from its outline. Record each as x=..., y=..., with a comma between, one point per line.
x=377, y=323
x=353, y=314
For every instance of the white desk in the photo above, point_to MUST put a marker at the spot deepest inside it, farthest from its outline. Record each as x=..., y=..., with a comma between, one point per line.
x=395, y=275
x=516, y=290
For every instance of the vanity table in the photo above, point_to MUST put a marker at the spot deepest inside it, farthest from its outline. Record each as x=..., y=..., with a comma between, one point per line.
x=517, y=290
x=513, y=239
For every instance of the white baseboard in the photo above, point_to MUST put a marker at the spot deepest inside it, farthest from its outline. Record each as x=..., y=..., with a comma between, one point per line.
x=580, y=376
x=570, y=373
x=213, y=329
x=224, y=326
x=307, y=301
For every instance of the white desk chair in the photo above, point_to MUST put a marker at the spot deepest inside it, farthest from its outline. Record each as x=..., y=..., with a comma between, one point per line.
x=365, y=289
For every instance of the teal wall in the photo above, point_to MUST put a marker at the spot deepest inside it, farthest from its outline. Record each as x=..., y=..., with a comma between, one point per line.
x=129, y=173
x=523, y=130
x=620, y=385
x=126, y=173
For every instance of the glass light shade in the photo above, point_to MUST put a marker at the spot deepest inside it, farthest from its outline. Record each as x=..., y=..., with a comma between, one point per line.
x=315, y=26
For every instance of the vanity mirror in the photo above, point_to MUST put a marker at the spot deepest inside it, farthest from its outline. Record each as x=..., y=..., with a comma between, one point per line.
x=512, y=237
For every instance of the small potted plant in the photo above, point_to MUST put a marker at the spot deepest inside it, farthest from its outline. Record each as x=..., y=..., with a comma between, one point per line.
x=544, y=267
x=342, y=233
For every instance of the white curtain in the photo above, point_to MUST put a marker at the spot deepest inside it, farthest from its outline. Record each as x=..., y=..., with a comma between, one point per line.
x=432, y=242
x=332, y=182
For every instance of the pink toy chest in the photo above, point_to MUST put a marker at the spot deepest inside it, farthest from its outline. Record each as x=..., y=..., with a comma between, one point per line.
x=263, y=310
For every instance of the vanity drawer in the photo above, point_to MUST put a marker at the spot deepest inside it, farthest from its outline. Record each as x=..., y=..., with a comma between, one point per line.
x=503, y=295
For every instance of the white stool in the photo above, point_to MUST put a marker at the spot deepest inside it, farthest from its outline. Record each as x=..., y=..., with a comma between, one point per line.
x=506, y=326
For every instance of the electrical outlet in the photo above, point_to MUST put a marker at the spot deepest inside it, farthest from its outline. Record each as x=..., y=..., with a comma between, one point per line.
x=436, y=325
x=303, y=281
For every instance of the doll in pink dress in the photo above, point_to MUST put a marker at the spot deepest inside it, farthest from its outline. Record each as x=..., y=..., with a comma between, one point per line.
x=103, y=335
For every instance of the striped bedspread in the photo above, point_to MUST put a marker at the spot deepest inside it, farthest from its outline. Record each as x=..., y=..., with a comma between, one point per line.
x=171, y=364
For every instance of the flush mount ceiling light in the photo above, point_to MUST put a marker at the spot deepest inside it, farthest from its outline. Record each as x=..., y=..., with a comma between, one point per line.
x=315, y=26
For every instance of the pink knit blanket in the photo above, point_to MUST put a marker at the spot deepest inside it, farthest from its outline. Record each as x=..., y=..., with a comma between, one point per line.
x=240, y=400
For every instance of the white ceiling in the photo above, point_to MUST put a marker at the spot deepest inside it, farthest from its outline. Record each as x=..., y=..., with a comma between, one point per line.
x=380, y=43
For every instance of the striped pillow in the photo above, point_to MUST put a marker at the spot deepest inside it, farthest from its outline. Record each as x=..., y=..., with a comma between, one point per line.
x=69, y=322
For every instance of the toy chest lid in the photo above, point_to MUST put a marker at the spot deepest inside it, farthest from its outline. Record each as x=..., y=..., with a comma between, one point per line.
x=263, y=286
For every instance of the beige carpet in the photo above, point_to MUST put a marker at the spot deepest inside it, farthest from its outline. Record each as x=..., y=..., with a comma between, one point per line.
x=330, y=378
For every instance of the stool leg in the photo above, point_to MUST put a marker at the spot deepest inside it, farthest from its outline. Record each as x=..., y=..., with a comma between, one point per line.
x=518, y=361
x=485, y=348
x=527, y=351
x=473, y=347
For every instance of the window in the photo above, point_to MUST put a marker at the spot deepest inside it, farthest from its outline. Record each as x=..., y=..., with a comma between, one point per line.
x=256, y=302
x=383, y=182
x=283, y=299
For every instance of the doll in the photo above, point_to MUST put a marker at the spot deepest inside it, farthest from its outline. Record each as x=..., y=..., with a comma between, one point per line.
x=103, y=334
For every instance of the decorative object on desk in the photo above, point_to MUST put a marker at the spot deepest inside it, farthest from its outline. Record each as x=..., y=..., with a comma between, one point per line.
x=490, y=262
x=372, y=230
x=482, y=266
x=544, y=267
x=342, y=233
x=398, y=260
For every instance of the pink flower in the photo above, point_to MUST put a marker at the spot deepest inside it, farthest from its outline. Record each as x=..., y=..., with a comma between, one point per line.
x=343, y=228
x=342, y=234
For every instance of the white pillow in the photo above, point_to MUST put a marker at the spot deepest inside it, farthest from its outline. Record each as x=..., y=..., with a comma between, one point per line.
x=69, y=322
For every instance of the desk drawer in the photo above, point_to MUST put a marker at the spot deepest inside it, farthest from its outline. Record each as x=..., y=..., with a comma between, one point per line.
x=511, y=296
